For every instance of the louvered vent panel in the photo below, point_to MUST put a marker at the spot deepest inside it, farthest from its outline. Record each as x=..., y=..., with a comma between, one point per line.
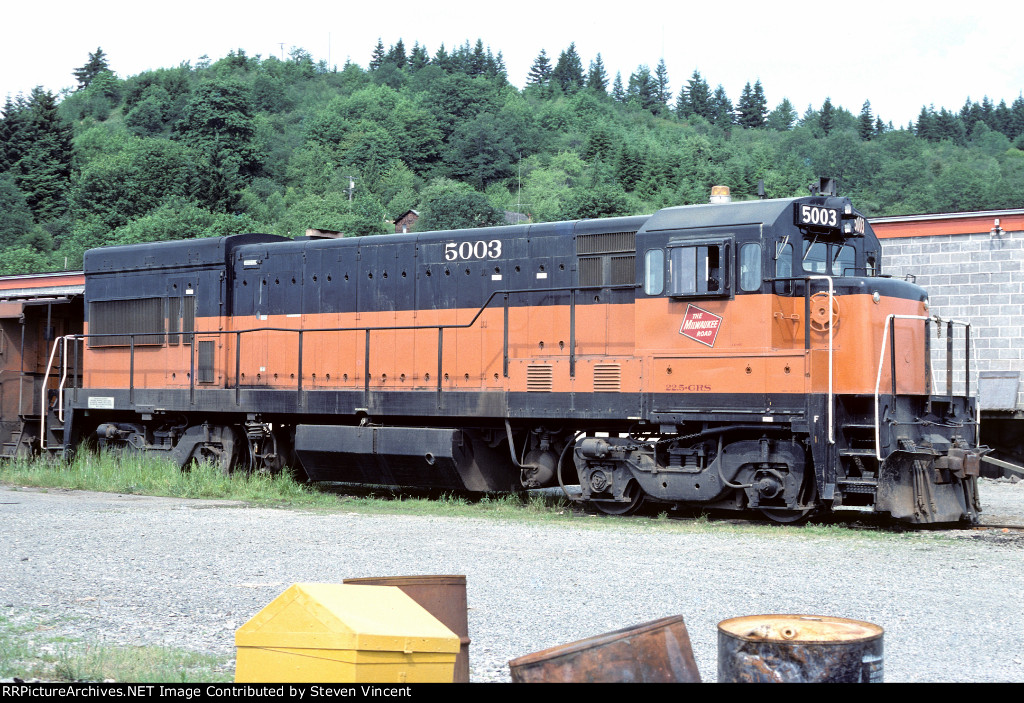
x=623, y=270
x=540, y=378
x=126, y=317
x=605, y=243
x=204, y=366
x=607, y=377
x=590, y=271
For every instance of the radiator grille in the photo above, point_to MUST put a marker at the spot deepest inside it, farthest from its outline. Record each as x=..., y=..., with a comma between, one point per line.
x=623, y=270
x=607, y=377
x=605, y=243
x=126, y=317
x=591, y=271
x=540, y=378
x=607, y=270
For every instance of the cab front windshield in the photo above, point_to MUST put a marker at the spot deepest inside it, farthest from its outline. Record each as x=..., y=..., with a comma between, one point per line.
x=830, y=258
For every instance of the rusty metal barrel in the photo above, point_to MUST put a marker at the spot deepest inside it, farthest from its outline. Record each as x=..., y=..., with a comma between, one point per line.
x=655, y=652
x=444, y=597
x=799, y=649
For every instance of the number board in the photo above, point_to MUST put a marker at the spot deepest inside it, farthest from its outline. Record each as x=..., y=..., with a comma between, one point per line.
x=465, y=251
x=816, y=216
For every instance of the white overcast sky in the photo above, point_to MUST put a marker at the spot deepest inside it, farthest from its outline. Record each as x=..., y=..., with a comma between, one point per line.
x=899, y=55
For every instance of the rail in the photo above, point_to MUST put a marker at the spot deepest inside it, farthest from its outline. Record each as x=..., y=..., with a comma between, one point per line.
x=889, y=338
x=365, y=329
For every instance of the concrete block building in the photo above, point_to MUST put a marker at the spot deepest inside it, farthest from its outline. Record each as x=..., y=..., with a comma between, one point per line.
x=972, y=265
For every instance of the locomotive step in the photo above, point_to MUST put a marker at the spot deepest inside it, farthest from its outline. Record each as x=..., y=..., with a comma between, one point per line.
x=857, y=452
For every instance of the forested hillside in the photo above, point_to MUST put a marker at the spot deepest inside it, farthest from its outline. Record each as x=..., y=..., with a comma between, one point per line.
x=248, y=144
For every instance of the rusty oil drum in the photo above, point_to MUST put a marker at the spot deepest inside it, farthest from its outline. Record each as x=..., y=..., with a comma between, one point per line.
x=444, y=597
x=799, y=649
x=655, y=652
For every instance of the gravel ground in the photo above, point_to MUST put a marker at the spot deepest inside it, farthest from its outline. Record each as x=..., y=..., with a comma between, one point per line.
x=188, y=573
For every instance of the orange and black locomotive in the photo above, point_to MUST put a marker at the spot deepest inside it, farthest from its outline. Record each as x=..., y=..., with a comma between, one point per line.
x=737, y=355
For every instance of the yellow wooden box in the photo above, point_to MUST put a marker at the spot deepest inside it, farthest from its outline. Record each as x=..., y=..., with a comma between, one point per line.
x=321, y=632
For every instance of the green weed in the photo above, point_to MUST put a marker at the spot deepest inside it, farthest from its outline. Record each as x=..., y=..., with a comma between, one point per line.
x=28, y=652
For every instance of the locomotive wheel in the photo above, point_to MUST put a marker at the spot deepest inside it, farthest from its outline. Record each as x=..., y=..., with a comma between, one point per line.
x=636, y=501
x=786, y=517
x=224, y=450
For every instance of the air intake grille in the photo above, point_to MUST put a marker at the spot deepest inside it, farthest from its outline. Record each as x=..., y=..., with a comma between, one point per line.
x=607, y=270
x=591, y=271
x=540, y=378
x=121, y=318
x=605, y=243
x=204, y=370
x=607, y=378
x=623, y=270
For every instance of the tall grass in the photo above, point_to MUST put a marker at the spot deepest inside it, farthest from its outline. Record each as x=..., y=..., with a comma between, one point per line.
x=149, y=475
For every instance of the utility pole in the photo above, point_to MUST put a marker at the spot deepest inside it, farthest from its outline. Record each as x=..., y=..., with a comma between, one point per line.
x=351, y=185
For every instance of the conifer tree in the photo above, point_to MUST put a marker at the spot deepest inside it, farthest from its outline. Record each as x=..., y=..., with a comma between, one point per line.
x=1002, y=118
x=826, y=117
x=618, y=92
x=661, y=78
x=597, y=77
x=43, y=171
x=866, y=122
x=752, y=107
x=643, y=89
x=1017, y=117
x=478, y=60
x=925, y=127
x=698, y=96
x=419, y=57
x=783, y=117
x=540, y=71
x=722, y=113
x=970, y=114
x=760, y=101
x=378, y=56
x=442, y=59
x=683, y=108
x=12, y=133
x=568, y=72
x=496, y=66
x=96, y=64
x=397, y=54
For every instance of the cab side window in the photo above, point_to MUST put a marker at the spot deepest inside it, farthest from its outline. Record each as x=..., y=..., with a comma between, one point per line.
x=750, y=267
x=698, y=270
x=654, y=272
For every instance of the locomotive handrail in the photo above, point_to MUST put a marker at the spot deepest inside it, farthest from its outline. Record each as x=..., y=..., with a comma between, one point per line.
x=43, y=410
x=831, y=391
x=367, y=329
x=889, y=329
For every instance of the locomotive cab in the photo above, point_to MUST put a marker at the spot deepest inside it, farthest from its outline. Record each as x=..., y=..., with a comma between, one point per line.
x=783, y=371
